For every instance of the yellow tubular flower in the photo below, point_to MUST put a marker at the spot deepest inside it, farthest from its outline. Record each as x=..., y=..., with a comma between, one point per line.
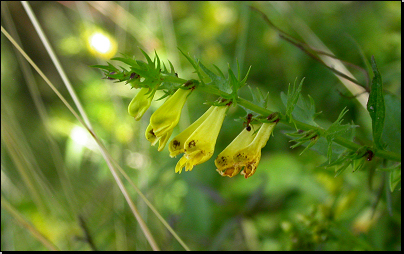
x=225, y=162
x=244, y=151
x=140, y=103
x=163, y=121
x=197, y=142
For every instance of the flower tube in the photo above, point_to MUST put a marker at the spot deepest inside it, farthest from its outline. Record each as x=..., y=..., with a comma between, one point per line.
x=140, y=103
x=197, y=142
x=244, y=152
x=165, y=118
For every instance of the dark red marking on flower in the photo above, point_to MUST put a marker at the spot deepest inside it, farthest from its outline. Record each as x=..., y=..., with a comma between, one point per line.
x=191, y=144
x=151, y=132
x=176, y=143
x=222, y=160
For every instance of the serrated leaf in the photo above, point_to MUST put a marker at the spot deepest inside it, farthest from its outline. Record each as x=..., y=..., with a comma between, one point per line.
x=305, y=111
x=293, y=97
x=172, y=67
x=358, y=164
x=149, y=61
x=233, y=82
x=194, y=64
x=128, y=61
x=376, y=106
x=244, y=80
x=311, y=144
x=219, y=71
x=259, y=98
x=321, y=147
x=163, y=96
x=337, y=129
x=109, y=67
x=215, y=80
x=342, y=168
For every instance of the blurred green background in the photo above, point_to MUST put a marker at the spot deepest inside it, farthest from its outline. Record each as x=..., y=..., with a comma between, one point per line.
x=52, y=172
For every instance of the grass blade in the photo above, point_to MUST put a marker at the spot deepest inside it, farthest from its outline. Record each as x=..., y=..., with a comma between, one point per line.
x=104, y=152
x=25, y=224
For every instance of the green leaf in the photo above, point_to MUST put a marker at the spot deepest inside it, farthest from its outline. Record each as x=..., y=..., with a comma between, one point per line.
x=217, y=81
x=305, y=111
x=259, y=98
x=149, y=61
x=395, y=178
x=391, y=135
x=109, y=67
x=292, y=98
x=341, y=168
x=337, y=129
x=195, y=65
x=321, y=147
x=129, y=61
x=376, y=106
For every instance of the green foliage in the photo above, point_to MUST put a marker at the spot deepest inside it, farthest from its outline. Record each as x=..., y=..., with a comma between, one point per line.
x=227, y=87
x=297, y=107
x=376, y=106
x=142, y=74
x=54, y=173
x=391, y=135
x=337, y=129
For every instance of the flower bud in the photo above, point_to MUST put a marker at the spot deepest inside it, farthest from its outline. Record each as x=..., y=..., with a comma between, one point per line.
x=140, y=103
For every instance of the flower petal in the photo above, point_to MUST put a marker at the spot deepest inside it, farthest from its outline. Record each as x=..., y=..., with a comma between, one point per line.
x=225, y=159
x=167, y=116
x=200, y=143
x=176, y=145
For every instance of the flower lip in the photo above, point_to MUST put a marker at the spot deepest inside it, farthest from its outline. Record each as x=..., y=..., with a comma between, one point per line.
x=244, y=152
x=176, y=146
x=197, y=142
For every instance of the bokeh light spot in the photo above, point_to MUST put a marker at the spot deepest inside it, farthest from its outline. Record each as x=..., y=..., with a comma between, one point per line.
x=100, y=42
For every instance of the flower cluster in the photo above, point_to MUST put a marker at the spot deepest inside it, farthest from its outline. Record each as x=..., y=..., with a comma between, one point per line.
x=197, y=142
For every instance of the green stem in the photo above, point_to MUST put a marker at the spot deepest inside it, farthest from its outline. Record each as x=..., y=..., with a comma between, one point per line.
x=300, y=125
x=173, y=79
